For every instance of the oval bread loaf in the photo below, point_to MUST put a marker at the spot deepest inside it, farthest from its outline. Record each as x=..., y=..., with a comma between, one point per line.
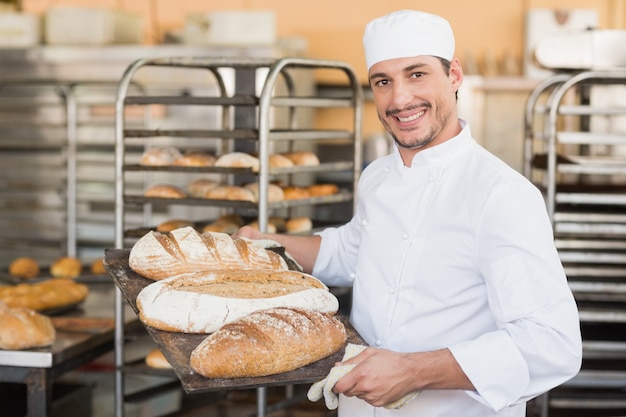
x=23, y=328
x=268, y=342
x=185, y=250
x=204, y=302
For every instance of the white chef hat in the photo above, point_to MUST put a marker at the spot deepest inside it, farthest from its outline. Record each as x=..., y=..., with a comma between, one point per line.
x=407, y=33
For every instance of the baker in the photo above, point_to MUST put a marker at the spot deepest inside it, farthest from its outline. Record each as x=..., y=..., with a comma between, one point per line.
x=457, y=285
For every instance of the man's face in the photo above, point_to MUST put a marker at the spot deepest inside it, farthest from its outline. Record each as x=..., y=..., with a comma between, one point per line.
x=415, y=100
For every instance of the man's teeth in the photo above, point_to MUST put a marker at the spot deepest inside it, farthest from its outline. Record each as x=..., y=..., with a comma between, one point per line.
x=410, y=118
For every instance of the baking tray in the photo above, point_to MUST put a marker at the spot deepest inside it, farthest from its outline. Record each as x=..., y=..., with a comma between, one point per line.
x=177, y=347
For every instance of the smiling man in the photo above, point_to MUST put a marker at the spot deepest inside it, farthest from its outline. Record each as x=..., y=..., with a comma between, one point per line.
x=457, y=285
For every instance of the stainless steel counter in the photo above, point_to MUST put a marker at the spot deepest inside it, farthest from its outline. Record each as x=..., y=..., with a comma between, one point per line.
x=38, y=368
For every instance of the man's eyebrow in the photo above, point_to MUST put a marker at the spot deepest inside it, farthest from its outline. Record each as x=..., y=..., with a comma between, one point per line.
x=409, y=68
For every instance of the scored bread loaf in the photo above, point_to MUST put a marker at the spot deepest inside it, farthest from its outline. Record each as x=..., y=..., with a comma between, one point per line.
x=23, y=328
x=203, y=302
x=184, y=250
x=268, y=342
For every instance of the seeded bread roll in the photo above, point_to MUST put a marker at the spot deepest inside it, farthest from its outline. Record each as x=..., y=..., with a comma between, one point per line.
x=157, y=255
x=23, y=328
x=268, y=342
x=204, y=302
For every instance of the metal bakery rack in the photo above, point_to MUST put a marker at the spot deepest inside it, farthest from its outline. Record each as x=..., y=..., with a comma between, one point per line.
x=575, y=151
x=254, y=105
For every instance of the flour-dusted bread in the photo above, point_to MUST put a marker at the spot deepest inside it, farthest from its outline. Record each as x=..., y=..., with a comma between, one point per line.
x=23, y=328
x=268, y=342
x=238, y=160
x=302, y=158
x=160, y=156
x=159, y=255
x=274, y=192
x=204, y=302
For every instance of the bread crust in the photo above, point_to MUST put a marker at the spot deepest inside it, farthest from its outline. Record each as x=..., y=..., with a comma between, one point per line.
x=66, y=267
x=156, y=359
x=159, y=156
x=23, y=328
x=204, y=302
x=24, y=267
x=268, y=342
x=302, y=158
x=164, y=191
x=185, y=250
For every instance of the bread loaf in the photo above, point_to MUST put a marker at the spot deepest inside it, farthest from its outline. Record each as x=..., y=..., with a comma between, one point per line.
x=44, y=295
x=156, y=255
x=195, y=159
x=156, y=359
x=230, y=192
x=169, y=225
x=160, y=156
x=302, y=158
x=295, y=193
x=274, y=192
x=317, y=190
x=164, y=191
x=23, y=328
x=199, y=187
x=238, y=160
x=277, y=160
x=299, y=224
x=204, y=302
x=268, y=342
x=66, y=267
x=24, y=267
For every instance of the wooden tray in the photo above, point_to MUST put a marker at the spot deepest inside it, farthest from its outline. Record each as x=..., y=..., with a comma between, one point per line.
x=177, y=347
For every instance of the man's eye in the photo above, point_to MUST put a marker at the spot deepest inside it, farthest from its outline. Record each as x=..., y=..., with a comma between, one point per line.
x=381, y=83
x=417, y=74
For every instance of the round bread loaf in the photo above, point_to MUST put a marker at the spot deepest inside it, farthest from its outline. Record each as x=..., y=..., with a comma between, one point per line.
x=238, y=160
x=317, y=190
x=268, y=342
x=204, y=302
x=302, y=158
x=169, y=225
x=274, y=192
x=156, y=359
x=230, y=192
x=24, y=267
x=160, y=156
x=295, y=193
x=97, y=267
x=299, y=225
x=277, y=160
x=200, y=187
x=195, y=159
x=23, y=328
x=164, y=191
x=66, y=267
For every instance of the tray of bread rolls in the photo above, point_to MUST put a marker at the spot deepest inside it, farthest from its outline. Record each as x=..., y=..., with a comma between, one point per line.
x=177, y=347
x=26, y=269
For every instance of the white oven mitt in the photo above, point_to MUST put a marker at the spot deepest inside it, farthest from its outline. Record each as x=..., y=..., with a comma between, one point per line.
x=324, y=388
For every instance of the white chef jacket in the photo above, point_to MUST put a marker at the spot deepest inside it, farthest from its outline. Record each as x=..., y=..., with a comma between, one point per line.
x=457, y=251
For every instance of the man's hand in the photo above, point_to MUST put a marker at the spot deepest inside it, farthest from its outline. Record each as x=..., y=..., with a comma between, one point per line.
x=382, y=377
